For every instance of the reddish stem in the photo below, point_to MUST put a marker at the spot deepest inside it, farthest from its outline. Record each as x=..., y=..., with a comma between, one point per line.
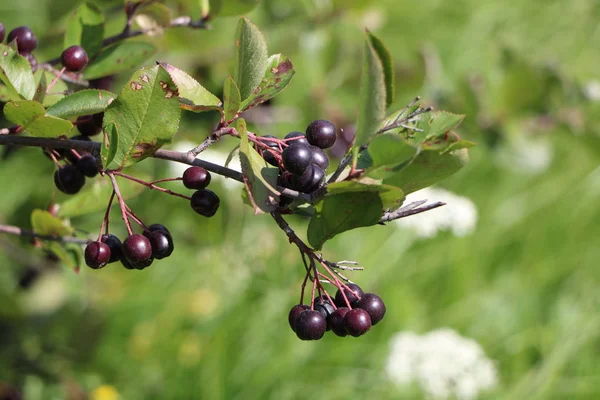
x=51, y=85
x=150, y=185
x=121, y=202
x=136, y=218
x=166, y=180
x=106, y=216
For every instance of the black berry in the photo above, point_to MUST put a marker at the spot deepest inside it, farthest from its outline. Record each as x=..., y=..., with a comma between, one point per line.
x=319, y=158
x=161, y=242
x=205, y=202
x=74, y=58
x=2, y=31
x=90, y=125
x=70, y=155
x=97, y=255
x=137, y=248
x=357, y=322
x=144, y=263
x=373, y=305
x=87, y=165
x=26, y=40
x=292, y=135
x=158, y=227
x=310, y=325
x=294, y=312
x=310, y=180
x=267, y=155
x=196, y=178
x=115, y=245
x=68, y=179
x=297, y=158
x=32, y=61
x=339, y=298
x=321, y=133
x=336, y=323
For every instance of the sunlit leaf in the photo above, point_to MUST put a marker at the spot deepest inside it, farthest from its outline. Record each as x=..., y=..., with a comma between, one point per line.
x=250, y=57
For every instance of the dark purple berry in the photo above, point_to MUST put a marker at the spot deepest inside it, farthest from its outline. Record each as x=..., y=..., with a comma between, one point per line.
x=325, y=309
x=296, y=158
x=321, y=133
x=310, y=180
x=357, y=322
x=90, y=125
x=143, y=264
x=373, y=305
x=32, y=61
x=292, y=135
x=2, y=31
x=205, y=202
x=161, y=242
x=70, y=155
x=319, y=158
x=267, y=155
x=196, y=178
x=336, y=323
x=74, y=58
x=158, y=227
x=310, y=325
x=294, y=312
x=339, y=298
x=26, y=40
x=68, y=179
x=87, y=165
x=97, y=254
x=115, y=245
x=137, y=248
x=127, y=264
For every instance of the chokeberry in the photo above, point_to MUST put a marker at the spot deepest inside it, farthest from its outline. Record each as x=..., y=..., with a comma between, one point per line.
x=335, y=321
x=294, y=312
x=32, y=61
x=2, y=31
x=89, y=125
x=310, y=325
x=373, y=305
x=357, y=322
x=137, y=248
x=339, y=297
x=296, y=158
x=158, y=227
x=115, y=245
x=126, y=263
x=97, y=254
x=205, y=202
x=26, y=40
x=321, y=133
x=267, y=155
x=319, y=158
x=87, y=165
x=310, y=180
x=144, y=263
x=196, y=178
x=161, y=242
x=74, y=58
x=293, y=135
x=68, y=179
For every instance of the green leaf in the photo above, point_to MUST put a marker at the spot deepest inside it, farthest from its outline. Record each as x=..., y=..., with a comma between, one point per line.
x=428, y=168
x=372, y=100
x=16, y=74
x=94, y=197
x=119, y=57
x=154, y=18
x=228, y=8
x=84, y=102
x=261, y=178
x=68, y=253
x=436, y=123
x=86, y=29
x=146, y=115
x=388, y=67
x=193, y=96
x=57, y=92
x=231, y=99
x=386, y=152
x=44, y=223
x=31, y=115
x=110, y=143
x=278, y=74
x=40, y=91
x=250, y=57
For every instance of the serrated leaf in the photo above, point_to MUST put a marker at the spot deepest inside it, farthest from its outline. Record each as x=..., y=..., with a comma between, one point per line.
x=94, y=197
x=44, y=223
x=372, y=101
x=391, y=196
x=261, y=178
x=86, y=29
x=428, y=168
x=40, y=91
x=250, y=57
x=58, y=90
x=31, y=115
x=119, y=57
x=228, y=8
x=110, y=143
x=146, y=115
x=436, y=123
x=231, y=99
x=388, y=151
x=154, y=18
x=193, y=96
x=16, y=74
x=83, y=102
x=278, y=74
x=388, y=67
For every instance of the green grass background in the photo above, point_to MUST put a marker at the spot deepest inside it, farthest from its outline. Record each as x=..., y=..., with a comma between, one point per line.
x=211, y=321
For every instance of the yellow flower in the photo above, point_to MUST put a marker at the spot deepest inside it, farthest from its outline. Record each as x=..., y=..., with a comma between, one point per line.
x=105, y=392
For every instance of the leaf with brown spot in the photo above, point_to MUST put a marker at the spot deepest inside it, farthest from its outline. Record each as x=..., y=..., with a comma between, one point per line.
x=278, y=75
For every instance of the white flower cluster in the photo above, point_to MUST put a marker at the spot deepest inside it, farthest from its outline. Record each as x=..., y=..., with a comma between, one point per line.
x=442, y=363
x=458, y=215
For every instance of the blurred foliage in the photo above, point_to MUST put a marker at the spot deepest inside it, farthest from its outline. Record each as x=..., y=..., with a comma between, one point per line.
x=211, y=321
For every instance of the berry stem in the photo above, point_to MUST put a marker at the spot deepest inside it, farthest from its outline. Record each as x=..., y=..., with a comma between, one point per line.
x=150, y=185
x=135, y=218
x=104, y=226
x=56, y=78
x=166, y=180
x=121, y=201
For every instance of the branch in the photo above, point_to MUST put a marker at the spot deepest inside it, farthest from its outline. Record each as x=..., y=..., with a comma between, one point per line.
x=210, y=140
x=410, y=209
x=15, y=230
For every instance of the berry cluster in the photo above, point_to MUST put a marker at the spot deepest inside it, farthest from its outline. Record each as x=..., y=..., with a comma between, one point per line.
x=204, y=201
x=136, y=252
x=352, y=312
x=70, y=178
